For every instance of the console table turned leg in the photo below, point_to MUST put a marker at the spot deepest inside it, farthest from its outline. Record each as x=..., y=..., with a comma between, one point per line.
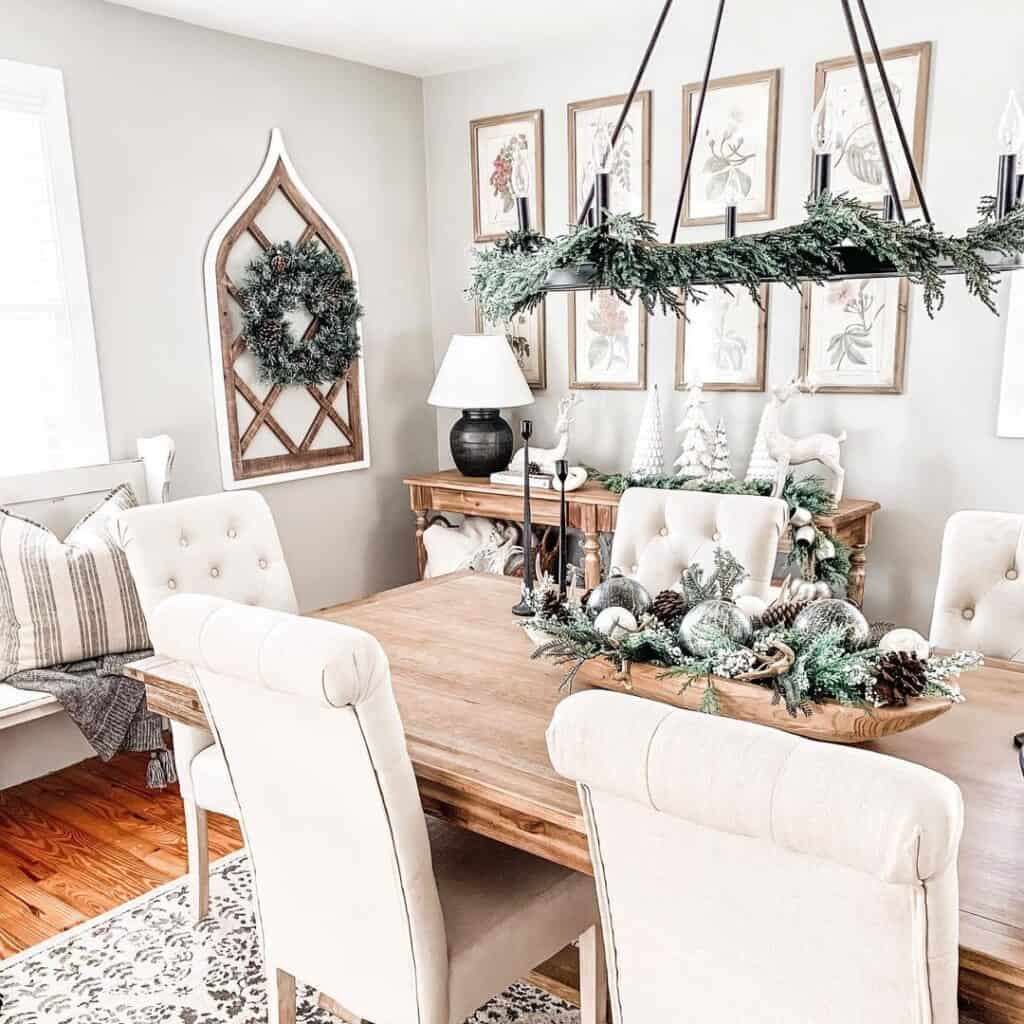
x=858, y=571
x=591, y=559
x=421, y=551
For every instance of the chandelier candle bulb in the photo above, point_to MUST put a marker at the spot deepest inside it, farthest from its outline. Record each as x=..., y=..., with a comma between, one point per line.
x=521, y=184
x=825, y=141
x=1010, y=140
x=561, y=471
x=732, y=198
x=524, y=607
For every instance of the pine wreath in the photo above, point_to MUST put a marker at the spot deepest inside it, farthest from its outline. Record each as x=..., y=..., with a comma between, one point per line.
x=279, y=282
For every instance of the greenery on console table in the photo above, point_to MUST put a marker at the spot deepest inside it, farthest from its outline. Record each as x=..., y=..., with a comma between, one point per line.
x=627, y=259
x=809, y=493
x=826, y=665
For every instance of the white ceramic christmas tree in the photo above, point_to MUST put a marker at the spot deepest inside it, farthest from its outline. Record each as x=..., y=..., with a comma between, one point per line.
x=649, y=453
x=762, y=466
x=720, y=460
x=695, y=458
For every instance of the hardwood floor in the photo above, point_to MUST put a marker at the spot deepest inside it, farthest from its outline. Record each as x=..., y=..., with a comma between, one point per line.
x=86, y=839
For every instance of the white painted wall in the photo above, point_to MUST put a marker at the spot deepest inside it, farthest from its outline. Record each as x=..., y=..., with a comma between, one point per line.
x=923, y=454
x=169, y=123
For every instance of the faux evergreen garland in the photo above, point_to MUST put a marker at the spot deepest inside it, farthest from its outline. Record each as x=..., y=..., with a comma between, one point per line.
x=277, y=283
x=628, y=260
x=809, y=493
x=826, y=665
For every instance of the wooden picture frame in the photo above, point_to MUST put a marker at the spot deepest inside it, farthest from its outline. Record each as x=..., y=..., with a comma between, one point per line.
x=896, y=287
x=535, y=370
x=492, y=227
x=867, y=166
x=765, y=208
x=756, y=373
x=578, y=379
x=639, y=116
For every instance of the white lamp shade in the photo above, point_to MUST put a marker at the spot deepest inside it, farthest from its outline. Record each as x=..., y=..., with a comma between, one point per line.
x=479, y=371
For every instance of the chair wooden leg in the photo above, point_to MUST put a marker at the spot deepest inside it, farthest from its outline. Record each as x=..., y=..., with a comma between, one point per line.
x=337, y=1010
x=280, y=997
x=593, y=978
x=198, y=841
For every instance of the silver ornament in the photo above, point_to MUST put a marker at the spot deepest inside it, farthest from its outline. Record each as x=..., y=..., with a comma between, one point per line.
x=619, y=591
x=705, y=624
x=805, y=535
x=801, y=517
x=825, y=550
x=908, y=641
x=822, y=615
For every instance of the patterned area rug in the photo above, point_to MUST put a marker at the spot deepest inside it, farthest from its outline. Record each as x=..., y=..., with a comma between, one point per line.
x=145, y=963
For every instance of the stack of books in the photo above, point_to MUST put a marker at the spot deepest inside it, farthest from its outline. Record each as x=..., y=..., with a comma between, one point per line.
x=510, y=478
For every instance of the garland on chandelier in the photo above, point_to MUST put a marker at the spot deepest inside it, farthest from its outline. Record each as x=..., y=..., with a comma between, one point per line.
x=827, y=664
x=809, y=493
x=629, y=261
x=277, y=283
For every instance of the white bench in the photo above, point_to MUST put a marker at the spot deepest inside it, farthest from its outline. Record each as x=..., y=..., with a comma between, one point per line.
x=36, y=736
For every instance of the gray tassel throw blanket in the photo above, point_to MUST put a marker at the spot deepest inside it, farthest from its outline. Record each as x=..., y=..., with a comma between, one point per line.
x=109, y=709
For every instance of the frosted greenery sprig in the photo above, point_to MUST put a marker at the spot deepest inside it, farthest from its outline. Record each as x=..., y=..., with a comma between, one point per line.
x=627, y=259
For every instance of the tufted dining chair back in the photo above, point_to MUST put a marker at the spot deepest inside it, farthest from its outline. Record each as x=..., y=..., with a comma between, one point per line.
x=659, y=533
x=751, y=875
x=225, y=545
x=979, y=599
x=305, y=715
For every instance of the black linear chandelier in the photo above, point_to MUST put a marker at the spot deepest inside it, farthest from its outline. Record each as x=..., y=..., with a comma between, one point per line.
x=840, y=238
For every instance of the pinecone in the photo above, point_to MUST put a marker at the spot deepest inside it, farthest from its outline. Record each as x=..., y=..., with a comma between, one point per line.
x=279, y=263
x=898, y=676
x=781, y=614
x=269, y=331
x=553, y=607
x=668, y=606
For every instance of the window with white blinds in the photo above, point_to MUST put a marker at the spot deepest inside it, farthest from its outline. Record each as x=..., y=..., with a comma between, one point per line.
x=51, y=408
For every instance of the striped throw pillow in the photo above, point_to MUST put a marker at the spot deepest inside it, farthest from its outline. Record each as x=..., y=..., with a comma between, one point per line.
x=63, y=601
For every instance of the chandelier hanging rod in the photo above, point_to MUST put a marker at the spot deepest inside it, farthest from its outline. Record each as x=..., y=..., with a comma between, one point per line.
x=887, y=88
x=629, y=100
x=696, y=120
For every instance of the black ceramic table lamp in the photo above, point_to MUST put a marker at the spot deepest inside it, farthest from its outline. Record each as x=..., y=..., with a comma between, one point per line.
x=480, y=375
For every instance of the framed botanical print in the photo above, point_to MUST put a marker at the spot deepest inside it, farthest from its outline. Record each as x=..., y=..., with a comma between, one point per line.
x=853, y=335
x=498, y=147
x=526, y=337
x=722, y=342
x=591, y=122
x=857, y=168
x=735, y=151
x=607, y=342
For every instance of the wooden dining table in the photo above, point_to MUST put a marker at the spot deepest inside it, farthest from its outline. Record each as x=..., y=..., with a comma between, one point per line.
x=475, y=709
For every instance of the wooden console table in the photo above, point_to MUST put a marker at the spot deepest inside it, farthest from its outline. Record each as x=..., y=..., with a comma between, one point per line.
x=593, y=510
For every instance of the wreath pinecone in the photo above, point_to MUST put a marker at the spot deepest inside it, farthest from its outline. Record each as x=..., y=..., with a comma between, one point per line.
x=668, y=606
x=781, y=614
x=899, y=675
x=553, y=607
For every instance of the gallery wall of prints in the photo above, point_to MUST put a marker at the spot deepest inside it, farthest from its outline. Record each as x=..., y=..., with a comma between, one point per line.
x=853, y=334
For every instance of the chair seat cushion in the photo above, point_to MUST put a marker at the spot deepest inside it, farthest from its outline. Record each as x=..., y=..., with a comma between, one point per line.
x=505, y=912
x=211, y=786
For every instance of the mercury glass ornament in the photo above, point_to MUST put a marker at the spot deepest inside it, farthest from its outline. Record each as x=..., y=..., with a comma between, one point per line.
x=822, y=615
x=705, y=624
x=619, y=591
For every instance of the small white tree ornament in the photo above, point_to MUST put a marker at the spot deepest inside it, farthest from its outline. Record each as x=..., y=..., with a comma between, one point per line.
x=721, y=468
x=649, y=453
x=761, y=465
x=695, y=458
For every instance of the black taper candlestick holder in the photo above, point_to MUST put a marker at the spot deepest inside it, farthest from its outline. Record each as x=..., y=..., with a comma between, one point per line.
x=822, y=174
x=561, y=471
x=1006, y=187
x=524, y=607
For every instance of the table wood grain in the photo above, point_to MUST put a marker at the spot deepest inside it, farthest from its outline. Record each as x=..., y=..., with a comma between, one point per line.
x=476, y=709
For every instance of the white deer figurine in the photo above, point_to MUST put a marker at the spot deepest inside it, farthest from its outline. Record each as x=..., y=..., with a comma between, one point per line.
x=795, y=451
x=547, y=457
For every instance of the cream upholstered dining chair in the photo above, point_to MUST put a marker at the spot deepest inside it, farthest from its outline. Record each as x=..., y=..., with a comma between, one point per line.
x=659, y=533
x=750, y=875
x=222, y=544
x=398, y=921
